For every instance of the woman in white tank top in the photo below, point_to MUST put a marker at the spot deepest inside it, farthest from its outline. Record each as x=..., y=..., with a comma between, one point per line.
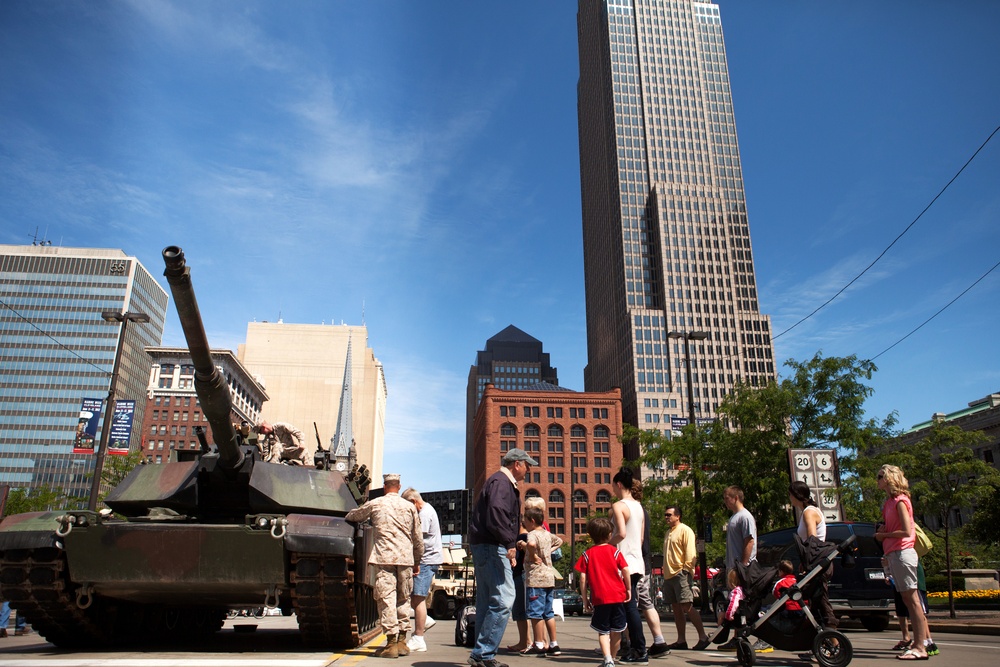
x=627, y=517
x=812, y=522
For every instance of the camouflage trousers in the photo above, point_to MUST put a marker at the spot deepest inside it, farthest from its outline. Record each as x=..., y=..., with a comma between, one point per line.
x=393, y=586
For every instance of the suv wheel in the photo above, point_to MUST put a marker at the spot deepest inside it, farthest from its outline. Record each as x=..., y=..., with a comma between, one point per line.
x=875, y=622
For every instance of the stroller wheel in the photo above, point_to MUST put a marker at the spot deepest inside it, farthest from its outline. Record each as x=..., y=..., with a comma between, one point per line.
x=744, y=652
x=832, y=648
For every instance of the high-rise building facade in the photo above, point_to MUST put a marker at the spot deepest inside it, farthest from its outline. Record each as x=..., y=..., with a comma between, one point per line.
x=56, y=350
x=173, y=410
x=667, y=255
x=306, y=368
x=512, y=360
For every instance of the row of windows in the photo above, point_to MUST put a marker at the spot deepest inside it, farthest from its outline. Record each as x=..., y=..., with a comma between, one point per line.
x=179, y=401
x=552, y=413
x=509, y=430
x=177, y=415
x=556, y=496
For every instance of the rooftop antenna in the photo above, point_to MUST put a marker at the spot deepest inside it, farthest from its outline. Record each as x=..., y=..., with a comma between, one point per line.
x=362, y=312
x=40, y=241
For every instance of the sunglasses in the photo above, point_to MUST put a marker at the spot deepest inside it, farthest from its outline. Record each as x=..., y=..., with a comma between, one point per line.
x=881, y=477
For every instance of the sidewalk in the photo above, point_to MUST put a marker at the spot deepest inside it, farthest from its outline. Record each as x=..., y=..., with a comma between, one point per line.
x=967, y=622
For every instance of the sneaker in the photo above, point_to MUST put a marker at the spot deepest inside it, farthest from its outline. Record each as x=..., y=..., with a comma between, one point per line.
x=474, y=661
x=932, y=649
x=417, y=644
x=730, y=645
x=902, y=645
x=636, y=658
x=429, y=623
x=761, y=646
x=702, y=644
x=22, y=631
x=553, y=649
x=493, y=662
x=658, y=650
x=608, y=662
x=534, y=649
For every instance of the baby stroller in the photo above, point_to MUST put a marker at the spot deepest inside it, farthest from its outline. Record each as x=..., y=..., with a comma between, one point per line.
x=831, y=647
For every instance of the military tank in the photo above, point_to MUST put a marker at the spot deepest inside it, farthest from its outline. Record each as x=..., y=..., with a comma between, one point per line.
x=189, y=539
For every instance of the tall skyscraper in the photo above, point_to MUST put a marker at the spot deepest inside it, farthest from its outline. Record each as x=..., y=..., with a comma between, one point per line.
x=512, y=360
x=56, y=350
x=306, y=369
x=667, y=256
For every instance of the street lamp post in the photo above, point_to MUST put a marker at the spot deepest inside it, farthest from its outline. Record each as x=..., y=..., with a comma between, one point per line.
x=687, y=337
x=102, y=447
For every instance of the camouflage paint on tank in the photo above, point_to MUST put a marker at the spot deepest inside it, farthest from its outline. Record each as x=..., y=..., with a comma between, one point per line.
x=29, y=530
x=289, y=489
x=171, y=485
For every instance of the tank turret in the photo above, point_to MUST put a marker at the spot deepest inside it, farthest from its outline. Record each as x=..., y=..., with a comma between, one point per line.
x=192, y=538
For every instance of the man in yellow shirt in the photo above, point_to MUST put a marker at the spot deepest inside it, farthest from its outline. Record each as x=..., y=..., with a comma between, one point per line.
x=679, y=555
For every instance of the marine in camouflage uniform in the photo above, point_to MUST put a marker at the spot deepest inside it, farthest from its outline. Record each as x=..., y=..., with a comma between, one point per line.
x=398, y=547
x=283, y=443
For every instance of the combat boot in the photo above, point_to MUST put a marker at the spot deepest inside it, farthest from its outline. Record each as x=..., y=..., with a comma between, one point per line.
x=401, y=647
x=391, y=648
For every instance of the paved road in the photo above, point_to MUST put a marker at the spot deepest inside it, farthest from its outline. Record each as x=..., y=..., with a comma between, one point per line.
x=275, y=643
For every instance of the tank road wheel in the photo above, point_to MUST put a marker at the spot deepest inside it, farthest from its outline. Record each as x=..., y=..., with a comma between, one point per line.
x=37, y=583
x=744, y=652
x=832, y=648
x=333, y=610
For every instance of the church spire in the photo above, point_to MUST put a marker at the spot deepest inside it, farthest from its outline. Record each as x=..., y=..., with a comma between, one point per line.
x=343, y=439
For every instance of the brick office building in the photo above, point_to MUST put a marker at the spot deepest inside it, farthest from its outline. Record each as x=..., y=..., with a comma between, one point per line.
x=172, y=408
x=573, y=435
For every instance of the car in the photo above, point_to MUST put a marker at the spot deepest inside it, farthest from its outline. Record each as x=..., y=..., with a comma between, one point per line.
x=859, y=592
x=572, y=602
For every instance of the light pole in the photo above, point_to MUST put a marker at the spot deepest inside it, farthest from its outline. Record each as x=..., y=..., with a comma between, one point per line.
x=687, y=337
x=102, y=447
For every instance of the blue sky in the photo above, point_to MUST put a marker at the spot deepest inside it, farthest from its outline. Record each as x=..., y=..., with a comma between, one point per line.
x=418, y=163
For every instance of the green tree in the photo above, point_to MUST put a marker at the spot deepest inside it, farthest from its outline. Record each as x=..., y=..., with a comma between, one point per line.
x=985, y=524
x=37, y=499
x=820, y=404
x=947, y=478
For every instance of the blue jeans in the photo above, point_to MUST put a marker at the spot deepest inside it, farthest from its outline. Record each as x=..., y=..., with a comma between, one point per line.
x=20, y=622
x=494, y=597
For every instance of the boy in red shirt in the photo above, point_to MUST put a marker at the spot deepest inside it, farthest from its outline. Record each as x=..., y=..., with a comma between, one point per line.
x=792, y=609
x=605, y=587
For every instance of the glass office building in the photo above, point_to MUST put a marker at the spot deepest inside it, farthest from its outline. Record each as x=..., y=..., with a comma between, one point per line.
x=56, y=350
x=667, y=253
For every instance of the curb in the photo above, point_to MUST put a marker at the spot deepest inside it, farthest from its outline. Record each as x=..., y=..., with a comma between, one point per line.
x=964, y=629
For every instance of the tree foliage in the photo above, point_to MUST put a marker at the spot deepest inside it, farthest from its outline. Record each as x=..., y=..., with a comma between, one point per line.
x=820, y=404
x=949, y=478
x=37, y=499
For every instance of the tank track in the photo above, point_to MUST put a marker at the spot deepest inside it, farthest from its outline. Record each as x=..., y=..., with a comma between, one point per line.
x=333, y=609
x=36, y=583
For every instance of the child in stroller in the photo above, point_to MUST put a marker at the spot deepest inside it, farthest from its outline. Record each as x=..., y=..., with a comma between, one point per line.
x=831, y=648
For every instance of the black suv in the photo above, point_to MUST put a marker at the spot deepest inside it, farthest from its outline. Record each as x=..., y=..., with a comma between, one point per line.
x=858, y=592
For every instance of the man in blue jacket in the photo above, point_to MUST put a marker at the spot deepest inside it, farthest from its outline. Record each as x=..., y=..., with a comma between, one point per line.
x=496, y=519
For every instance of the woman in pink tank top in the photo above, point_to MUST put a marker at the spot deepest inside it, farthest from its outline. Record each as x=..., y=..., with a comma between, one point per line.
x=897, y=536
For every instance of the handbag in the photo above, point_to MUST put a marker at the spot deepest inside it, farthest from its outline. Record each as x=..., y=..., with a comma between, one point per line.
x=921, y=544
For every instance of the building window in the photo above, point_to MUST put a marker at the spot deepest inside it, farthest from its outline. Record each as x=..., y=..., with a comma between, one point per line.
x=579, y=461
x=555, y=431
x=603, y=496
x=503, y=410
x=554, y=413
x=506, y=445
x=166, y=383
x=601, y=432
x=578, y=447
x=532, y=493
x=555, y=462
x=532, y=431
x=556, y=496
x=600, y=413
x=578, y=431
x=530, y=411
x=579, y=497
x=555, y=446
x=508, y=430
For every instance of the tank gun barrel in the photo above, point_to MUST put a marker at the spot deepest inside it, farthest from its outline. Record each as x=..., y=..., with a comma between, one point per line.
x=209, y=384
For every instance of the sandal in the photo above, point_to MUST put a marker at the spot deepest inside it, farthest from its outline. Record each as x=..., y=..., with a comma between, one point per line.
x=910, y=654
x=902, y=645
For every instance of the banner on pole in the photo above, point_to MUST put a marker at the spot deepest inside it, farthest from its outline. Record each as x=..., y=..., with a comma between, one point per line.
x=121, y=427
x=86, y=427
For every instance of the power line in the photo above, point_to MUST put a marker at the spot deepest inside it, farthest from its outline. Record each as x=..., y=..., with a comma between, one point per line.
x=50, y=337
x=875, y=261
x=936, y=314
